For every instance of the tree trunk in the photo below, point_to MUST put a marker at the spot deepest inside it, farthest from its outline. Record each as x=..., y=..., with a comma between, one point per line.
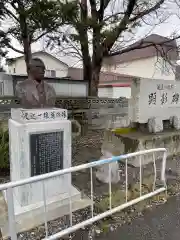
x=87, y=74
x=25, y=35
x=96, y=60
x=27, y=53
x=91, y=75
x=94, y=83
x=91, y=69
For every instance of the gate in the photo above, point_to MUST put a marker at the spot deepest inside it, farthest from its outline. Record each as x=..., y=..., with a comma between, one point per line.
x=8, y=187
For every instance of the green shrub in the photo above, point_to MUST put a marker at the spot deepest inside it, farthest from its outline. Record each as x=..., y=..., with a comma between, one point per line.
x=4, y=149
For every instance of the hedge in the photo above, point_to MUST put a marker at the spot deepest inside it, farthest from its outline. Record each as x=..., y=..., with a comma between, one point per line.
x=4, y=149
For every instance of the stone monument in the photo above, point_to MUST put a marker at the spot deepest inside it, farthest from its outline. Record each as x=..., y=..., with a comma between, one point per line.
x=154, y=101
x=40, y=142
x=154, y=116
x=34, y=92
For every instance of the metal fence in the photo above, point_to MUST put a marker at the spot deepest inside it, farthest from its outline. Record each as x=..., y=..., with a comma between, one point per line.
x=92, y=112
x=70, y=103
x=8, y=187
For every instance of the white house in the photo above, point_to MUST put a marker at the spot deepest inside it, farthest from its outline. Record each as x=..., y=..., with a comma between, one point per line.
x=111, y=85
x=54, y=67
x=144, y=61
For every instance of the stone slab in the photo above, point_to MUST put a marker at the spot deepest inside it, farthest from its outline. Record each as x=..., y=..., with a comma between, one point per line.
x=39, y=147
x=137, y=141
x=21, y=160
x=40, y=114
x=32, y=215
x=154, y=99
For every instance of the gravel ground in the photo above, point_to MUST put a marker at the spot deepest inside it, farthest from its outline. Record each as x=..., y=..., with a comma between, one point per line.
x=87, y=149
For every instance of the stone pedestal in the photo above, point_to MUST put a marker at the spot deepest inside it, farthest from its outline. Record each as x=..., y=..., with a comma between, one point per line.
x=40, y=142
x=137, y=141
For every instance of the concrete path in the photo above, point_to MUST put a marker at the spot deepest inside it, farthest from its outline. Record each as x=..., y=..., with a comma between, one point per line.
x=162, y=223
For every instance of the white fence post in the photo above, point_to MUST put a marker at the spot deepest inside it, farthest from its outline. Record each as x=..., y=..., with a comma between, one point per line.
x=11, y=214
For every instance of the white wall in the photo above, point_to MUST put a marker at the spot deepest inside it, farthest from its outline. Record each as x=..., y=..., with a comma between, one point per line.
x=105, y=92
x=70, y=89
x=114, y=92
x=62, y=89
x=6, y=85
x=50, y=62
x=145, y=68
x=121, y=92
x=8, y=88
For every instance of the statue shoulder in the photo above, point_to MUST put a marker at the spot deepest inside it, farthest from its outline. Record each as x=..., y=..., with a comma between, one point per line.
x=22, y=84
x=50, y=88
x=20, y=88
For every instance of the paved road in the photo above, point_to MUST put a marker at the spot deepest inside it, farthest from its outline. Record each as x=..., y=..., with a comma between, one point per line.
x=161, y=223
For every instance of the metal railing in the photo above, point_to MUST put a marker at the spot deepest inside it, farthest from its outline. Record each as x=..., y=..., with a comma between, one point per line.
x=8, y=187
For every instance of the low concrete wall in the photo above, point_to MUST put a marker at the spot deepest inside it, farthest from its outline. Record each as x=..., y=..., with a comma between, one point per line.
x=91, y=113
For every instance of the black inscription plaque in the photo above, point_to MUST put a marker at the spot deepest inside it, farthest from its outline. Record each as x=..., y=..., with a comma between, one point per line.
x=46, y=152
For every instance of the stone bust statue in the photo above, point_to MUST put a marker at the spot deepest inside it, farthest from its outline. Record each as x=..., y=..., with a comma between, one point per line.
x=34, y=92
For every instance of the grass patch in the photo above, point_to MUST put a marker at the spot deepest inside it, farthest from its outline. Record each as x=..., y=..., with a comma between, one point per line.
x=123, y=130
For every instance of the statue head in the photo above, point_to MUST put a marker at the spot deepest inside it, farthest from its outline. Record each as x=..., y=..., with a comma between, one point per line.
x=37, y=69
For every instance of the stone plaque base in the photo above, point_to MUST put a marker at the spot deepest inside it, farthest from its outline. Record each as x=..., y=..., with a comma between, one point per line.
x=137, y=141
x=32, y=215
x=22, y=155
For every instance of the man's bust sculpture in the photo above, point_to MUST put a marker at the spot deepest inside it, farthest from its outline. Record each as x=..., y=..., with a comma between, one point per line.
x=34, y=92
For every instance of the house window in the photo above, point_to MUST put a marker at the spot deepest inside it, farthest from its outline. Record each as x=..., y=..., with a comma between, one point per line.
x=50, y=73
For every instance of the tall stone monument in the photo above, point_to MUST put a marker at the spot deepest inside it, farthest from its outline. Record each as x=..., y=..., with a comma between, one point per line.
x=154, y=116
x=154, y=101
x=40, y=142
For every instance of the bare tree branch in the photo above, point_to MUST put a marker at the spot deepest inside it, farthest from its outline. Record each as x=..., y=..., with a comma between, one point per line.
x=14, y=49
x=144, y=44
x=109, y=41
x=146, y=12
x=39, y=37
x=103, y=6
x=11, y=14
x=103, y=25
x=112, y=16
